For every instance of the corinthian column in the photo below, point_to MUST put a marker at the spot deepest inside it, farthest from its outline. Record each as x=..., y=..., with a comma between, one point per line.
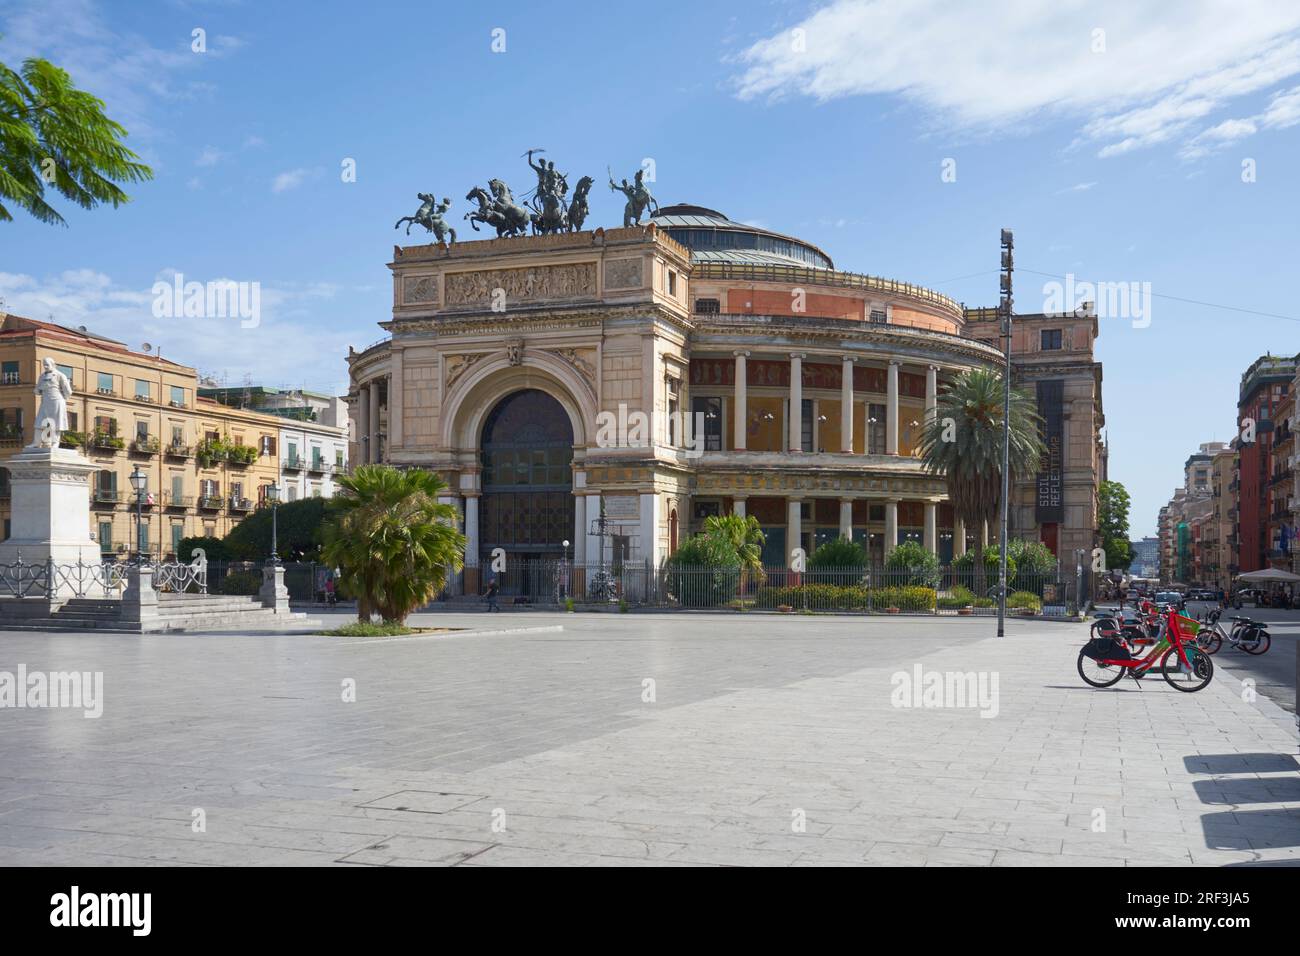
x=891, y=410
x=846, y=405
x=740, y=416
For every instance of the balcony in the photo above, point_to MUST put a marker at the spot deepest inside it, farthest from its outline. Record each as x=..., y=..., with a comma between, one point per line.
x=210, y=503
x=170, y=500
x=106, y=496
x=178, y=450
x=106, y=442
x=240, y=504
x=319, y=466
x=11, y=436
x=1278, y=477
x=241, y=456
x=293, y=464
x=146, y=445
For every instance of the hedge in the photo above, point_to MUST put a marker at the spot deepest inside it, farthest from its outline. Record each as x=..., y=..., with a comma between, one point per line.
x=834, y=597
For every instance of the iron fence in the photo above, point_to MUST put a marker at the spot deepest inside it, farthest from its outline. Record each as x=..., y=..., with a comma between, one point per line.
x=873, y=589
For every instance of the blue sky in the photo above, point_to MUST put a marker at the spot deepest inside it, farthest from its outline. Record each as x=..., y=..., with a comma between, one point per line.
x=1116, y=156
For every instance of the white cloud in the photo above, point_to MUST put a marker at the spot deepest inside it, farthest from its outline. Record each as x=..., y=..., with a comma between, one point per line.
x=210, y=156
x=293, y=178
x=978, y=68
x=1282, y=111
x=290, y=325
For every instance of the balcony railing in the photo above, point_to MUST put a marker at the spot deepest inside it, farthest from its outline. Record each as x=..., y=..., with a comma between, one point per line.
x=11, y=436
x=319, y=466
x=210, y=502
x=11, y=378
x=106, y=441
x=106, y=496
x=171, y=500
x=106, y=391
x=178, y=450
x=148, y=445
x=241, y=504
x=293, y=464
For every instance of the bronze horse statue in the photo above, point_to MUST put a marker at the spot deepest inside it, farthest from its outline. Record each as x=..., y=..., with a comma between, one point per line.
x=498, y=209
x=578, y=207
x=429, y=215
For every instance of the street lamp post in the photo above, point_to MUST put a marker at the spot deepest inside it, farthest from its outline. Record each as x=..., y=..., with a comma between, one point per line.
x=1008, y=244
x=139, y=481
x=273, y=496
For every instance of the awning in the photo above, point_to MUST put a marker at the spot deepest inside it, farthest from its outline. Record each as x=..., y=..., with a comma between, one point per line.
x=1269, y=574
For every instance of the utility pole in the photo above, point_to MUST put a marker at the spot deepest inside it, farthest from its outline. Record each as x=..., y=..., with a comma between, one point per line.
x=1004, y=308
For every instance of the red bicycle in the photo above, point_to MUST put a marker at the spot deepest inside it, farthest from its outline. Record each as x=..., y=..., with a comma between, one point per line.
x=1106, y=658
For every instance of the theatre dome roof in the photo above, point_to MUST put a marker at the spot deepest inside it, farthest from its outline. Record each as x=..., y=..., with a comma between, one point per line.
x=712, y=237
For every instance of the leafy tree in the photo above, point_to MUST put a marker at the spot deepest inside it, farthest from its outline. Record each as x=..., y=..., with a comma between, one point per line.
x=1112, y=522
x=920, y=564
x=53, y=134
x=841, y=554
x=705, y=571
x=214, y=549
x=298, y=532
x=391, y=539
x=963, y=443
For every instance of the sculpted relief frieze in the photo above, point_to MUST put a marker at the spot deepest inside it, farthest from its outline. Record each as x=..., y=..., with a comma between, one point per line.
x=521, y=285
x=420, y=290
x=623, y=274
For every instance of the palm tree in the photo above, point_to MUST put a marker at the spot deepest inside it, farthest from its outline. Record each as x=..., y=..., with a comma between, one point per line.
x=744, y=535
x=391, y=539
x=963, y=443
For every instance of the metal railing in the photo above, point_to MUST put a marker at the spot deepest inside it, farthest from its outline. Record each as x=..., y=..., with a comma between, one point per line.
x=873, y=589
x=103, y=579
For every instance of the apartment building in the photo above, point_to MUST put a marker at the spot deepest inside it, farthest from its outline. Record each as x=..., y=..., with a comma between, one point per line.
x=206, y=465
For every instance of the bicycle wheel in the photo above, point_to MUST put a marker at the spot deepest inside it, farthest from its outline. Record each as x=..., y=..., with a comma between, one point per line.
x=1209, y=640
x=1188, y=680
x=1098, y=674
x=1256, y=642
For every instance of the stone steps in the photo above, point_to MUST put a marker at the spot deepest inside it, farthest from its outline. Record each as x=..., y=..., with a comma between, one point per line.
x=176, y=613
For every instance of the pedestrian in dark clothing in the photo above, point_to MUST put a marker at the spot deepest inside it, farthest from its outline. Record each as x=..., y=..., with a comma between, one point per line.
x=490, y=595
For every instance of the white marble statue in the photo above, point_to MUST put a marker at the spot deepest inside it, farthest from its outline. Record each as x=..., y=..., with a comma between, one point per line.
x=52, y=414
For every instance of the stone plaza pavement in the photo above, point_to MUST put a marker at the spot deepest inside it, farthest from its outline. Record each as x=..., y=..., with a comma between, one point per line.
x=769, y=740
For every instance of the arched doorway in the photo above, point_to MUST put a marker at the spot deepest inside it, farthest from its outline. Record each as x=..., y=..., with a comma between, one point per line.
x=527, y=486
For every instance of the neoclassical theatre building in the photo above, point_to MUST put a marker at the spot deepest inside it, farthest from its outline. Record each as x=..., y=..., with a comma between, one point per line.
x=508, y=359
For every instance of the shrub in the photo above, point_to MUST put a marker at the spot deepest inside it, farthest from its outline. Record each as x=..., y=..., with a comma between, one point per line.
x=838, y=555
x=912, y=564
x=703, y=572
x=241, y=582
x=957, y=597
x=1024, y=600
x=817, y=597
x=908, y=598
x=1035, y=564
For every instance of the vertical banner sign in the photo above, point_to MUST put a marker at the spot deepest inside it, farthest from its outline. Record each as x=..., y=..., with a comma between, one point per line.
x=1049, y=505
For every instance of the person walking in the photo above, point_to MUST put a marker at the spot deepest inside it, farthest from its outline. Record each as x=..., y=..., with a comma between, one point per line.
x=490, y=595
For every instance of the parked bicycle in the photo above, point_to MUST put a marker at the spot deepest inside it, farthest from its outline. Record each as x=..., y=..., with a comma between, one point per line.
x=1109, y=655
x=1246, y=635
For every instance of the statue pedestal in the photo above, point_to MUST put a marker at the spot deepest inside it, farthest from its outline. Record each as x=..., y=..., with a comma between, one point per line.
x=50, y=508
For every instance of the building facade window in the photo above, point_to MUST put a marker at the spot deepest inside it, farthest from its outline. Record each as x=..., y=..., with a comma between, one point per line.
x=708, y=410
x=142, y=391
x=708, y=306
x=104, y=383
x=1050, y=339
x=178, y=397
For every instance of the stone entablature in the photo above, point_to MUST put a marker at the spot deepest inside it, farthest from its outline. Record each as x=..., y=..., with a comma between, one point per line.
x=504, y=275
